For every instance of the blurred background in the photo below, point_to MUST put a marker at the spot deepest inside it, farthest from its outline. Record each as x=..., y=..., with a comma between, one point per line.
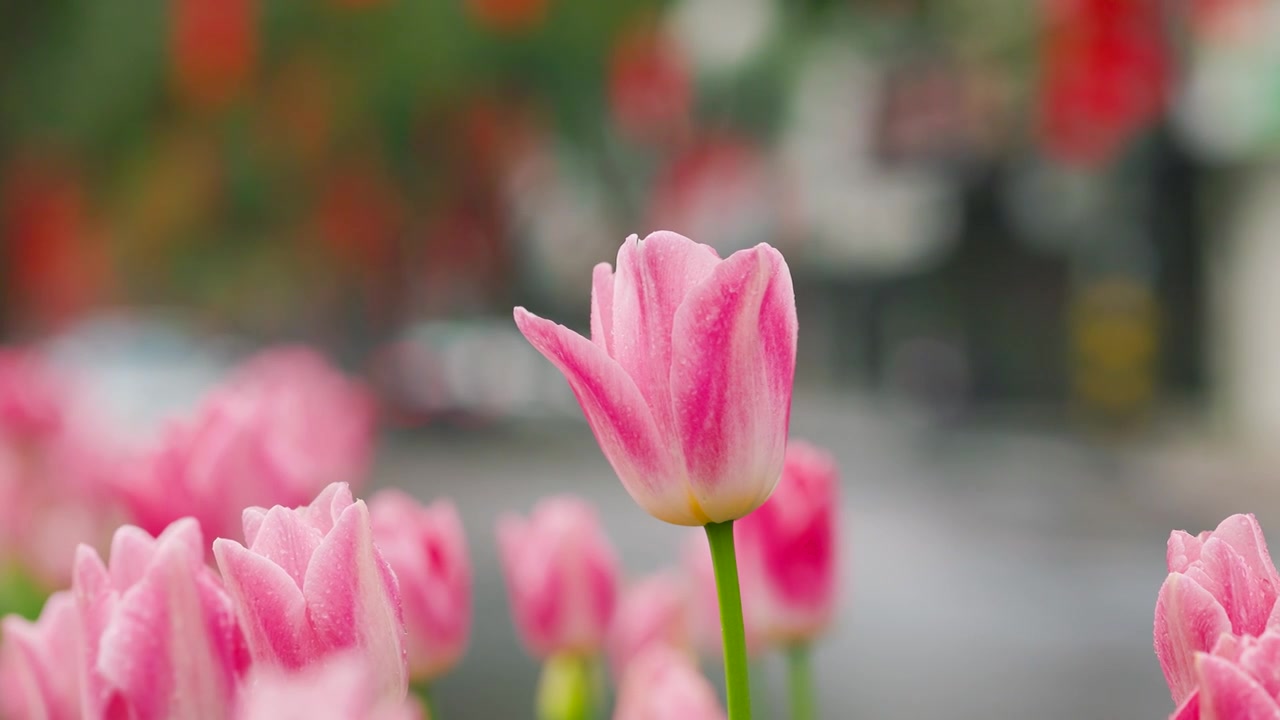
x=1034, y=246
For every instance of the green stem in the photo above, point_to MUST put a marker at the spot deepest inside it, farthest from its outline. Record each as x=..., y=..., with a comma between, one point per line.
x=724, y=560
x=428, y=698
x=565, y=691
x=800, y=680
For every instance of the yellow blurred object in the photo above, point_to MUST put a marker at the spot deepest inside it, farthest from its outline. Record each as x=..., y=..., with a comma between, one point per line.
x=1114, y=341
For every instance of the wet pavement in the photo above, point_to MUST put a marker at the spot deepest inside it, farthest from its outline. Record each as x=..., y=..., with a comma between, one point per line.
x=1002, y=572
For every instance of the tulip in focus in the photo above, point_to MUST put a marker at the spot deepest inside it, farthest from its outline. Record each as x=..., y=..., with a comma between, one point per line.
x=1237, y=681
x=341, y=687
x=285, y=426
x=159, y=634
x=791, y=541
x=686, y=380
x=310, y=583
x=1219, y=582
x=653, y=613
x=664, y=683
x=35, y=682
x=427, y=549
x=562, y=577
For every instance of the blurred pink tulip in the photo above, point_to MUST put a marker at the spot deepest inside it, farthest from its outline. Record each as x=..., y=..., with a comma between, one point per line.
x=791, y=542
x=427, y=549
x=340, y=687
x=664, y=683
x=31, y=397
x=686, y=381
x=1239, y=680
x=653, y=612
x=35, y=682
x=311, y=582
x=159, y=633
x=322, y=421
x=562, y=576
x=1219, y=582
x=65, y=502
x=284, y=427
x=704, y=605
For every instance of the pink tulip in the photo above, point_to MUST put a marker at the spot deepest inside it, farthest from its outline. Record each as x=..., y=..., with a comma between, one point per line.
x=159, y=633
x=31, y=398
x=35, y=682
x=284, y=427
x=562, y=576
x=663, y=684
x=791, y=543
x=653, y=612
x=322, y=422
x=1239, y=680
x=704, y=606
x=340, y=687
x=686, y=381
x=311, y=582
x=427, y=549
x=1219, y=582
x=63, y=501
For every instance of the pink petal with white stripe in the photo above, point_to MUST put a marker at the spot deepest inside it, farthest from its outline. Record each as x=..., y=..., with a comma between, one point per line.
x=269, y=604
x=654, y=277
x=618, y=416
x=1188, y=620
x=734, y=358
x=602, y=307
x=353, y=601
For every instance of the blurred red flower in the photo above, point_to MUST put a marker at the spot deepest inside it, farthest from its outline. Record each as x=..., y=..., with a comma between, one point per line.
x=214, y=44
x=55, y=265
x=1107, y=72
x=650, y=88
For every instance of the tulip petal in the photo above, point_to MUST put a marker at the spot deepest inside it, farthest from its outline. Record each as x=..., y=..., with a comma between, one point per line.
x=352, y=600
x=1183, y=549
x=131, y=551
x=1247, y=598
x=614, y=408
x=95, y=603
x=653, y=279
x=38, y=677
x=1228, y=693
x=251, y=519
x=270, y=604
x=1260, y=658
x=602, y=307
x=157, y=652
x=1188, y=620
x=328, y=506
x=731, y=378
x=286, y=541
x=1244, y=534
x=1189, y=709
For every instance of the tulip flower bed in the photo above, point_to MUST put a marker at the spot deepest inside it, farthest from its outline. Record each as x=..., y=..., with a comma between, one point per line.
x=229, y=570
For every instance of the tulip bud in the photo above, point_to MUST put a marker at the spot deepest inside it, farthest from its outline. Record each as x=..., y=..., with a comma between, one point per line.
x=686, y=380
x=562, y=577
x=160, y=639
x=311, y=583
x=427, y=549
